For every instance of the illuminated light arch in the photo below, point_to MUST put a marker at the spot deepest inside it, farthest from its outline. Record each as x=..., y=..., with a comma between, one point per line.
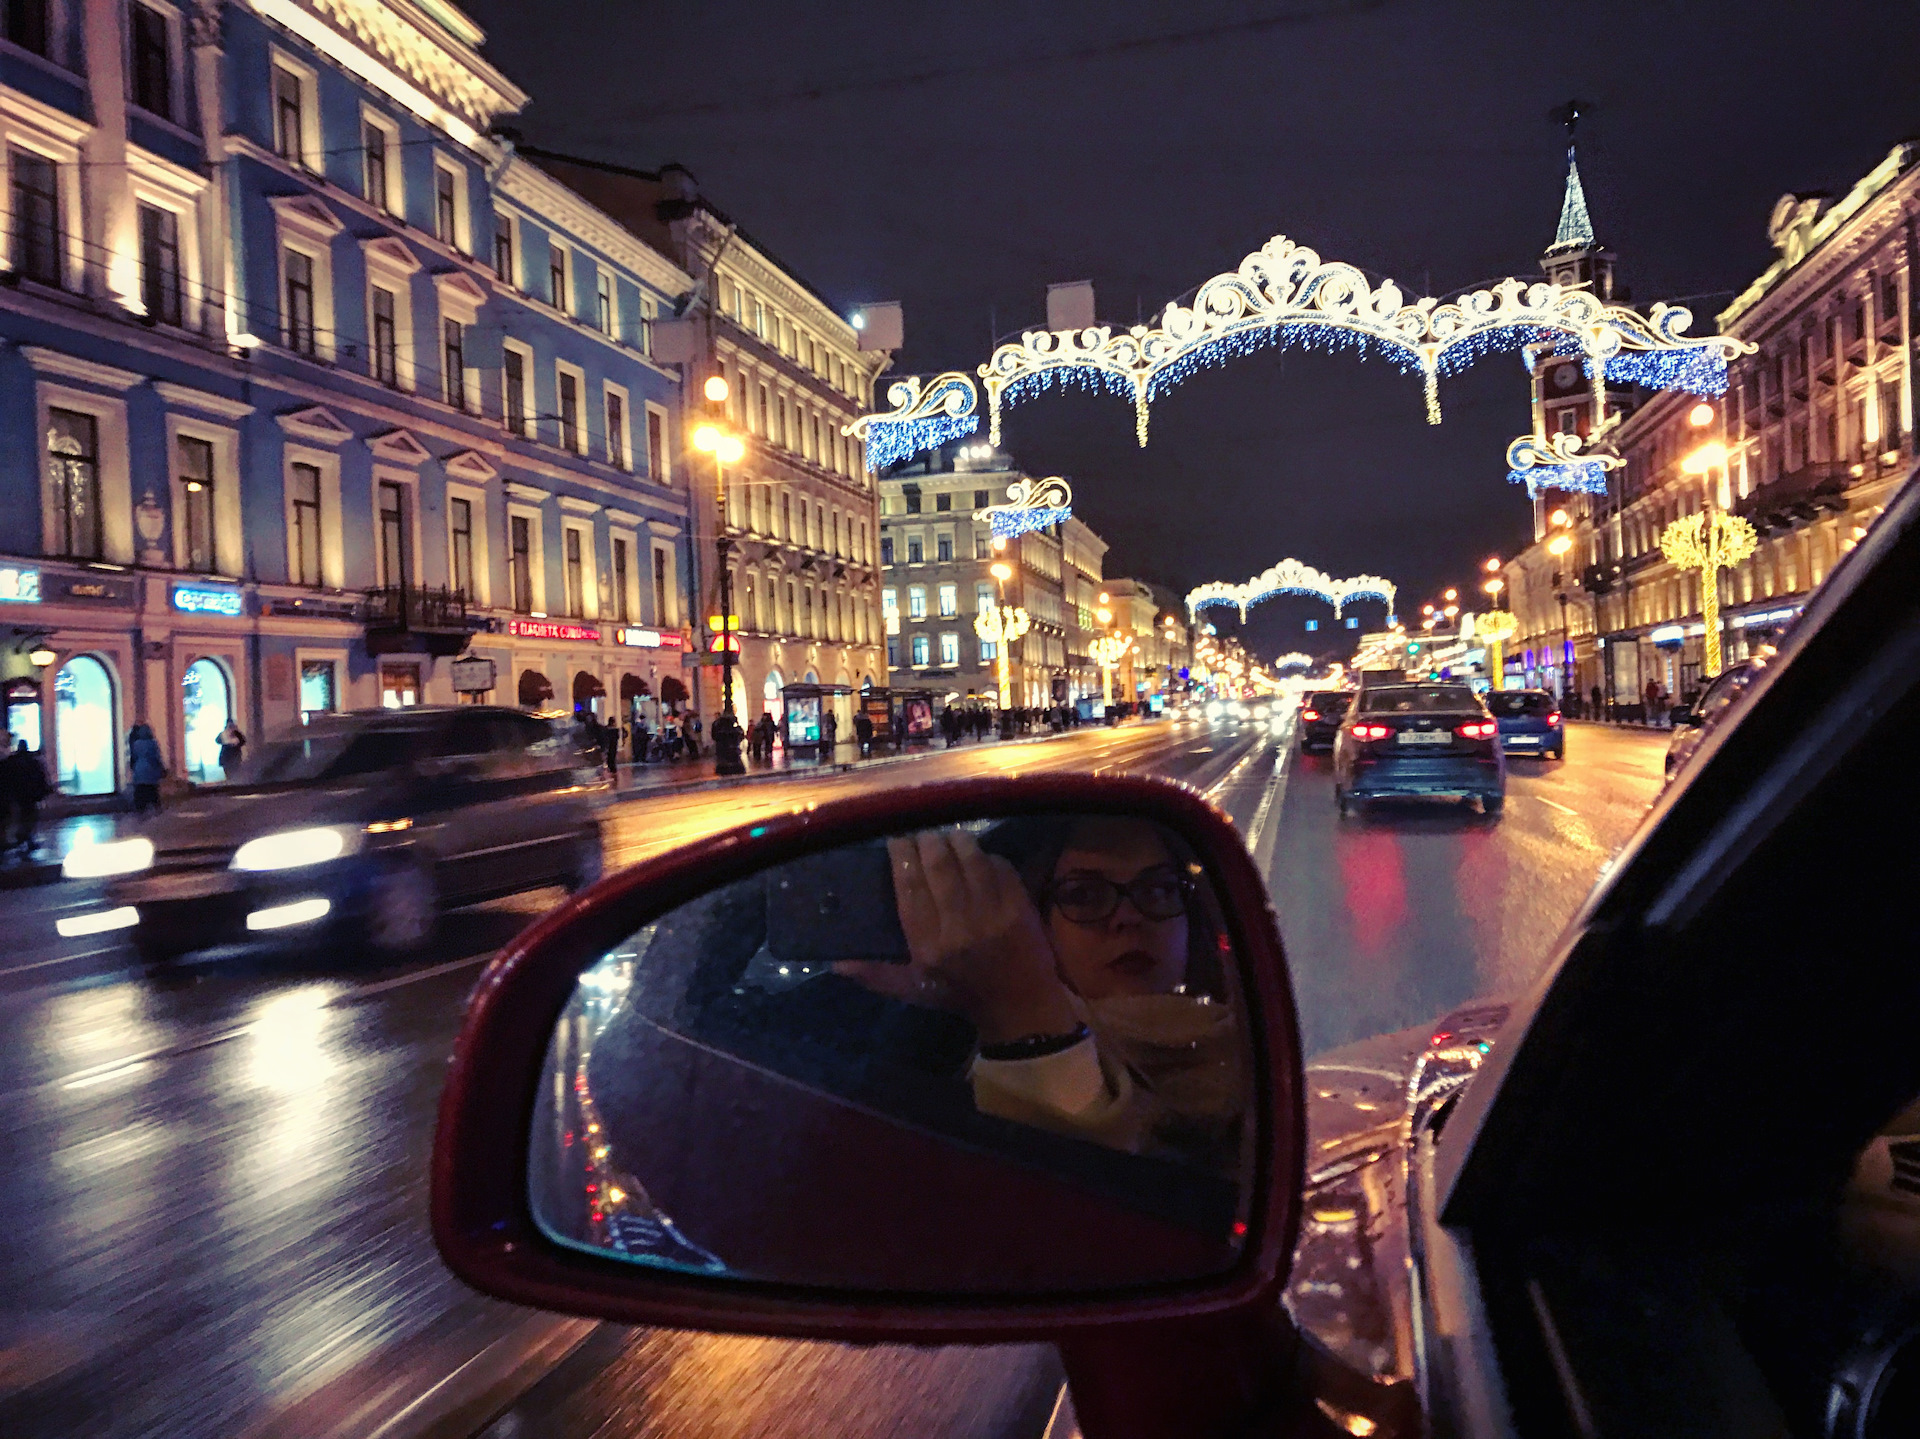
x=1285, y=294
x=1291, y=577
x=1293, y=660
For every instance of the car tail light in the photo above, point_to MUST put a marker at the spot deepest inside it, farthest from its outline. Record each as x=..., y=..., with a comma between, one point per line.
x=1478, y=729
x=1554, y=718
x=1309, y=714
x=1370, y=731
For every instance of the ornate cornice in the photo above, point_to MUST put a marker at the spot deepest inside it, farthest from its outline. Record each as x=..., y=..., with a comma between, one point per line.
x=551, y=203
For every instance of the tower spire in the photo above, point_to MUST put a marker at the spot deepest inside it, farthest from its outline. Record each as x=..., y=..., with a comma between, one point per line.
x=1576, y=226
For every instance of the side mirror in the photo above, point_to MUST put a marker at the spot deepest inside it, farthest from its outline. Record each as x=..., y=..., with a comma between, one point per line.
x=1681, y=715
x=1002, y=1059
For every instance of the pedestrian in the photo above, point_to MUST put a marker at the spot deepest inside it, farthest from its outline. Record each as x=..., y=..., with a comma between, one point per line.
x=863, y=733
x=232, y=743
x=1651, y=695
x=23, y=784
x=1599, y=703
x=638, y=739
x=765, y=731
x=690, y=733
x=145, y=767
x=829, y=735
x=610, y=746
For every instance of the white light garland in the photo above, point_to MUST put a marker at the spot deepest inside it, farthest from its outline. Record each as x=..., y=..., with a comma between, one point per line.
x=1559, y=462
x=1031, y=505
x=924, y=417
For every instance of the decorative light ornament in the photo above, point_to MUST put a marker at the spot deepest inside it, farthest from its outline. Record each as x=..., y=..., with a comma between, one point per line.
x=1107, y=651
x=1559, y=462
x=1031, y=505
x=1291, y=577
x=925, y=415
x=1000, y=626
x=1495, y=628
x=1293, y=660
x=1709, y=541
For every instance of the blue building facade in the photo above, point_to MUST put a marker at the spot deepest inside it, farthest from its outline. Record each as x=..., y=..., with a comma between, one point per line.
x=309, y=386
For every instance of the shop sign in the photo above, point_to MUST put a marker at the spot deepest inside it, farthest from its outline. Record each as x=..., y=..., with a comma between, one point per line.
x=472, y=676
x=1668, y=635
x=640, y=639
x=553, y=630
x=19, y=585
x=207, y=600
x=315, y=608
x=111, y=591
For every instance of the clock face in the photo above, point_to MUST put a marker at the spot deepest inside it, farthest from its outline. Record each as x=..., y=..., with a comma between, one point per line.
x=1566, y=377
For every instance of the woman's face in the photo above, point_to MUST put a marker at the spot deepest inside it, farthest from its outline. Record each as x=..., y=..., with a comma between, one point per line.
x=1126, y=953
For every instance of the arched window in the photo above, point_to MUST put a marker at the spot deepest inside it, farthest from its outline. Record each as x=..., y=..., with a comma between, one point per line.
x=83, y=727
x=206, y=704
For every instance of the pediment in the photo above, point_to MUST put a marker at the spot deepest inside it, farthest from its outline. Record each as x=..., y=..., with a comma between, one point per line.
x=400, y=447
x=390, y=253
x=470, y=465
x=316, y=423
x=461, y=288
x=306, y=213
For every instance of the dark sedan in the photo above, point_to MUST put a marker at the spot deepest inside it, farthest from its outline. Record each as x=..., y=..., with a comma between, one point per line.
x=1321, y=712
x=1419, y=739
x=359, y=828
x=1530, y=722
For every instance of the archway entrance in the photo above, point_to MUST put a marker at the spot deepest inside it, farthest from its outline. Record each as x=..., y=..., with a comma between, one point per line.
x=673, y=693
x=83, y=726
x=206, y=704
x=535, y=689
x=588, y=691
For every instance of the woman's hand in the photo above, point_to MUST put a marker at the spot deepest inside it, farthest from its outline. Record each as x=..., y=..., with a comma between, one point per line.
x=975, y=940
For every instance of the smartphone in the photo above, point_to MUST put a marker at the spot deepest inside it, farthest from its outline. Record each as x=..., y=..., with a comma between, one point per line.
x=833, y=906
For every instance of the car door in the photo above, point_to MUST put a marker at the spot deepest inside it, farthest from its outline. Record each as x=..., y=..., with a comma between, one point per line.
x=480, y=821
x=1656, y=1210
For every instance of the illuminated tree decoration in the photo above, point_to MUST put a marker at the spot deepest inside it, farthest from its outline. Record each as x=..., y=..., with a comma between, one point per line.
x=924, y=416
x=1557, y=462
x=1290, y=577
x=1284, y=294
x=1107, y=651
x=1000, y=626
x=1495, y=628
x=1031, y=505
x=1708, y=541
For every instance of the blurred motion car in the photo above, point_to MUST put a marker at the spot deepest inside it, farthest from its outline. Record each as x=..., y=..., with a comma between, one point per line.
x=1529, y=721
x=1692, y=723
x=359, y=828
x=1321, y=712
x=1419, y=740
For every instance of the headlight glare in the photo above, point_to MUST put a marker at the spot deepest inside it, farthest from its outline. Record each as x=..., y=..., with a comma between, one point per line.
x=292, y=849
x=117, y=856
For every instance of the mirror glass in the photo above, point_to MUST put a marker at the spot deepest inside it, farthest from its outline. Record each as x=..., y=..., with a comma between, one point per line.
x=1004, y=1057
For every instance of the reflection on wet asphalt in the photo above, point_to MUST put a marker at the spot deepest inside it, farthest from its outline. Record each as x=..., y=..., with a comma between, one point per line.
x=214, y=1180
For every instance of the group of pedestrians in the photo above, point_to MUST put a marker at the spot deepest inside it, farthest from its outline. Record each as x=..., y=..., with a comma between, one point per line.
x=680, y=737
x=23, y=784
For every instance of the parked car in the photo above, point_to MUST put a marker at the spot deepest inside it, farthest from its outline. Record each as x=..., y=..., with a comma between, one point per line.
x=1674, y=1188
x=1529, y=721
x=1321, y=712
x=1691, y=723
x=1419, y=740
x=362, y=827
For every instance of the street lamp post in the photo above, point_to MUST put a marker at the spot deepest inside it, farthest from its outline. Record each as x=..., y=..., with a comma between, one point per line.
x=726, y=449
x=1709, y=541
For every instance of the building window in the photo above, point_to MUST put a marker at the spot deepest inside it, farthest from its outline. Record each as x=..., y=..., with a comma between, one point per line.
x=299, y=303
x=460, y=546
x=36, y=216
x=392, y=538
x=657, y=445
x=73, y=461
x=989, y=652
x=453, y=362
x=982, y=597
x=916, y=553
x=557, y=277
x=569, y=411
x=912, y=497
x=661, y=610
x=916, y=602
x=373, y=160
x=29, y=24
x=649, y=311
x=942, y=503
x=786, y=515
x=152, y=59
x=514, y=371
x=160, y=264
x=503, y=251
x=949, y=651
x=576, y=574
x=304, y=481
x=446, y=208
x=943, y=545
x=603, y=296
x=620, y=582
x=893, y=653
x=195, y=462
x=949, y=601
x=921, y=650
x=317, y=694
x=289, y=116
x=386, y=343
x=616, y=429
x=886, y=549
x=982, y=547
x=980, y=500
x=520, y=562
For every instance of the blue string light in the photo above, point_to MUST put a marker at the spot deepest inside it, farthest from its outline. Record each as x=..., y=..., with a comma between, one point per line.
x=1584, y=478
x=1006, y=523
x=1068, y=375
x=891, y=441
x=1697, y=371
x=1231, y=344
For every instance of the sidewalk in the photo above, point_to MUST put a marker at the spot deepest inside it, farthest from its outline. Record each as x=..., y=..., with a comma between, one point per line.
x=59, y=835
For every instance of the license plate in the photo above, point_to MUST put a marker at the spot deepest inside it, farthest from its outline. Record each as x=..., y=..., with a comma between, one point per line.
x=1416, y=736
x=1523, y=739
x=162, y=887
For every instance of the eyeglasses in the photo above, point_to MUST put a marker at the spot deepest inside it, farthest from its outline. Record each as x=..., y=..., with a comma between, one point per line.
x=1091, y=898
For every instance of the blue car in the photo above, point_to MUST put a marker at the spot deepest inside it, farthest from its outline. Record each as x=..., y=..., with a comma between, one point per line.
x=1529, y=721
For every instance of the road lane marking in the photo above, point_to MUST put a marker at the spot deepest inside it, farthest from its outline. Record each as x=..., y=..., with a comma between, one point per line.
x=1261, y=832
x=1555, y=803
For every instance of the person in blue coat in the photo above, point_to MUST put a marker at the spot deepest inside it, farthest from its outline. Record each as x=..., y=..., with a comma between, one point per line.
x=146, y=767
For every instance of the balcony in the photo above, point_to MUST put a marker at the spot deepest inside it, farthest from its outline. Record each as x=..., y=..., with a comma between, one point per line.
x=402, y=620
x=1798, y=498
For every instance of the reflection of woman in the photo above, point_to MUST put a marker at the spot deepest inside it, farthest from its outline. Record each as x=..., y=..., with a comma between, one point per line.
x=1083, y=973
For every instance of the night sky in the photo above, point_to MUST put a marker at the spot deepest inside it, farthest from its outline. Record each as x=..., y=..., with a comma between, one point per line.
x=960, y=157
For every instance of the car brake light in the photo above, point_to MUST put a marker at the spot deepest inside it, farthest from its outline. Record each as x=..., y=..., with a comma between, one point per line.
x=1477, y=729
x=1554, y=718
x=1310, y=714
x=1370, y=731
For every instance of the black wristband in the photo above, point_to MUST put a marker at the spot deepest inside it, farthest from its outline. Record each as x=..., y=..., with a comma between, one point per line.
x=1035, y=1046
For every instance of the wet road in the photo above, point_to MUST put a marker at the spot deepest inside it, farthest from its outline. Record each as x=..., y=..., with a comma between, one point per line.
x=214, y=1185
